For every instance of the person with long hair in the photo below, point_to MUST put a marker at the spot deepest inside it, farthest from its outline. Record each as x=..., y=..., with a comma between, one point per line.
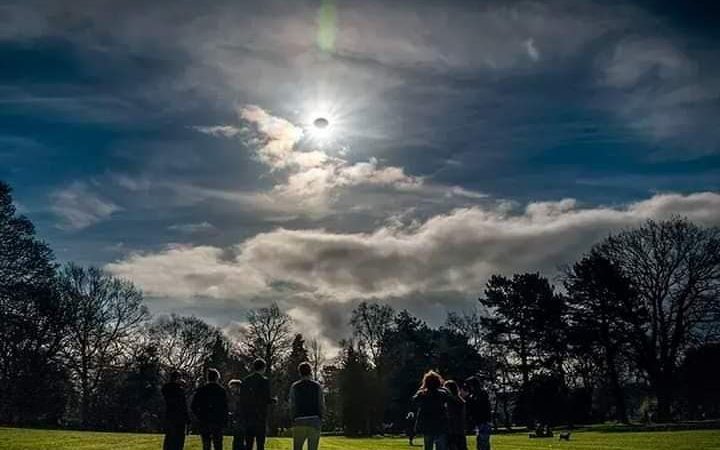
x=456, y=418
x=432, y=420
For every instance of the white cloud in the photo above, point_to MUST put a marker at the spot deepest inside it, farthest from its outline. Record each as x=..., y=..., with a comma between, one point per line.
x=532, y=51
x=78, y=207
x=192, y=228
x=227, y=131
x=456, y=252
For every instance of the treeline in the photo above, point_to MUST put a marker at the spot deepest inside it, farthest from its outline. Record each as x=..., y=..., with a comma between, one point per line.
x=630, y=331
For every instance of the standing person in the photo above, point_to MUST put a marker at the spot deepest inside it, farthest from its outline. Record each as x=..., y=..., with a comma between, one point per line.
x=410, y=431
x=306, y=409
x=255, y=397
x=176, y=413
x=478, y=411
x=210, y=408
x=431, y=400
x=236, y=420
x=456, y=418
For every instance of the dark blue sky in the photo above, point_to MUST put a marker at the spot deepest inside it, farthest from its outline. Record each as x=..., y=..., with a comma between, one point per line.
x=173, y=140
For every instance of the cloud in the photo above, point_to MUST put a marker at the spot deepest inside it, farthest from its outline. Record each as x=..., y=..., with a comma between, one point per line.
x=664, y=92
x=219, y=130
x=532, y=51
x=192, y=228
x=454, y=253
x=307, y=181
x=78, y=207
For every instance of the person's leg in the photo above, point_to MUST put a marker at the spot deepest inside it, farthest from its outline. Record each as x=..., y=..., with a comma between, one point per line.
x=238, y=440
x=181, y=438
x=428, y=441
x=205, y=438
x=260, y=439
x=298, y=437
x=249, y=437
x=483, y=437
x=441, y=442
x=217, y=437
x=313, y=438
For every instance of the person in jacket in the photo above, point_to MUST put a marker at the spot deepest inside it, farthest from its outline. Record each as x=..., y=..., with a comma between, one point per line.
x=237, y=426
x=456, y=417
x=176, y=413
x=431, y=403
x=256, y=398
x=306, y=409
x=479, y=414
x=210, y=407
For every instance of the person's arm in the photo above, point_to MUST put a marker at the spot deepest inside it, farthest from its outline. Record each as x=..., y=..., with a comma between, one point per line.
x=224, y=405
x=291, y=401
x=321, y=399
x=268, y=394
x=195, y=404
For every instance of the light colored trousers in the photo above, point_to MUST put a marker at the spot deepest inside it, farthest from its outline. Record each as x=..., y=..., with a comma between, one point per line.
x=305, y=433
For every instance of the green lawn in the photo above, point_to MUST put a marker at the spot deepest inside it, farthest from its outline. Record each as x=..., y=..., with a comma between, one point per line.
x=20, y=439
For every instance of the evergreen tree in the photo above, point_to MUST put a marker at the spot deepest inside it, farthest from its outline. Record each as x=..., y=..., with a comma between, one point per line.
x=32, y=383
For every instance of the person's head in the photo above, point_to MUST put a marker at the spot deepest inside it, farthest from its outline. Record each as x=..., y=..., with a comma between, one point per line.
x=213, y=376
x=473, y=385
x=305, y=369
x=432, y=381
x=259, y=365
x=452, y=386
x=234, y=386
x=175, y=376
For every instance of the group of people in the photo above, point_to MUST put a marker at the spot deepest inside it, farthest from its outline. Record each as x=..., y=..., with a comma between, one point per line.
x=243, y=406
x=443, y=412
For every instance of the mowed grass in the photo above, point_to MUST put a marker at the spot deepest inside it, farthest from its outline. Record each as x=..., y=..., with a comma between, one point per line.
x=23, y=439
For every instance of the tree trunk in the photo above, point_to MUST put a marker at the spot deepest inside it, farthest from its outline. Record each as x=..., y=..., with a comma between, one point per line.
x=617, y=390
x=664, y=402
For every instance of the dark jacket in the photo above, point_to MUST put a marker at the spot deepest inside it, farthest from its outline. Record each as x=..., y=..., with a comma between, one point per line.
x=210, y=405
x=175, y=404
x=478, y=409
x=432, y=411
x=255, y=398
x=306, y=399
x=456, y=415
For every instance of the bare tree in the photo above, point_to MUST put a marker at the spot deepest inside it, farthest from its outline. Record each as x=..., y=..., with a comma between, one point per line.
x=468, y=324
x=184, y=343
x=316, y=357
x=268, y=335
x=371, y=322
x=106, y=313
x=674, y=267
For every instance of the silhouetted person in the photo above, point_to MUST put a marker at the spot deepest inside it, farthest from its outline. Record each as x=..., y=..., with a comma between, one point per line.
x=255, y=397
x=176, y=413
x=456, y=418
x=410, y=427
x=306, y=409
x=210, y=408
x=479, y=414
x=237, y=424
x=431, y=400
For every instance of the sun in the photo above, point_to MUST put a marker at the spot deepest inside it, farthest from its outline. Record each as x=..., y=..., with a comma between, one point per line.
x=321, y=123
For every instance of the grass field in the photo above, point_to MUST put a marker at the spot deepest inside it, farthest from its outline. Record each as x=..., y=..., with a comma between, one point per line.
x=21, y=439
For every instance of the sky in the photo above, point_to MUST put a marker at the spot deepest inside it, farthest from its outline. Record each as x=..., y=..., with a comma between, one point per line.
x=172, y=142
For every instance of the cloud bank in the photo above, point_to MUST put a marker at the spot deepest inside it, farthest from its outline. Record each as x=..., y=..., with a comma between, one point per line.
x=454, y=252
